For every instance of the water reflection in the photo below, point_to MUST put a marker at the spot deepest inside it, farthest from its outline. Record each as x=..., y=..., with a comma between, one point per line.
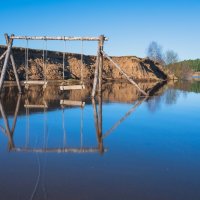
x=37, y=100
x=61, y=143
x=7, y=131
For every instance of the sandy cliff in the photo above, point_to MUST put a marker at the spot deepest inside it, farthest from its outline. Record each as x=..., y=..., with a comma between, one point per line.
x=137, y=68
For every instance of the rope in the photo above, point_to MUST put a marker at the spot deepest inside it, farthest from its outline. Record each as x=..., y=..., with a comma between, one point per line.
x=27, y=127
x=38, y=178
x=43, y=58
x=81, y=135
x=45, y=61
x=81, y=61
x=64, y=61
x=46, y=137
x=63, y=125
x=45, y=127
x=26, y=59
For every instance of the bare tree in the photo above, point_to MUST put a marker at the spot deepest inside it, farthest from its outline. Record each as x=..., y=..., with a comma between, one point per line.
x=154, y=52
x=171, y=57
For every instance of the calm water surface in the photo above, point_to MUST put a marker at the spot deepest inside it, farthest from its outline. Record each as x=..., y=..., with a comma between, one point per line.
x=120, y=146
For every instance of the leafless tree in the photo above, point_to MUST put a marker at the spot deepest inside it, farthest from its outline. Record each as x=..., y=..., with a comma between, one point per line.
x=171, y=57
x=154, y=52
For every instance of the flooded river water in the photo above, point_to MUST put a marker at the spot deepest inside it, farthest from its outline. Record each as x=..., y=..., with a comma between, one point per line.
x=62, y=145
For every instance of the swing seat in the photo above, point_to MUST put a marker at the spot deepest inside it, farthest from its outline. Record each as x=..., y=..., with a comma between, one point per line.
x=28, y=105
x=35, y=82
x=72, y=87
x=72, y=103
x=35, y=106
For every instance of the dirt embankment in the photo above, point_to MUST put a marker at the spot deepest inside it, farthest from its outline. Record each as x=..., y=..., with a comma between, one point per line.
x=136, y=68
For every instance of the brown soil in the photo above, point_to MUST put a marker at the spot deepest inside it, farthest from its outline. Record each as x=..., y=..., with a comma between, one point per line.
x=136, y=68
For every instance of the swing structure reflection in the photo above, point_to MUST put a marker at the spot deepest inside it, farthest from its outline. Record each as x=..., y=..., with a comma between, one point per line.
x=97, y=114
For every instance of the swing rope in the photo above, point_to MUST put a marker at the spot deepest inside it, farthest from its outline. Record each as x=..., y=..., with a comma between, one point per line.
x=44, y=59
x=45, y=70
x=27, y=126
x=81, y=131
x=26, y=59
x=81, y=62
x=63, y=126
x=64, y=52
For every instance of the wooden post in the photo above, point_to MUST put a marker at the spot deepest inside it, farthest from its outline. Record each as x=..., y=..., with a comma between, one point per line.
x=3, y=72
x=98, y=124
x=100, y=140
x=8, y=132
x=96, y=75
x=101, y=43
x=13, y=64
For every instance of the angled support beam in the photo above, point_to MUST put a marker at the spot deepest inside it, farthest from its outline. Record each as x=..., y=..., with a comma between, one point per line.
x=3, y=55
x=7, y=131
x=7, y=128
x=123, y=73
x=13, y=64
x=123, y=118
x=3, y=72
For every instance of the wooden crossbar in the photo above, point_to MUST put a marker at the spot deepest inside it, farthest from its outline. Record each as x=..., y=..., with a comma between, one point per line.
x=58, y=150
x=72, y=87
x=56, y=38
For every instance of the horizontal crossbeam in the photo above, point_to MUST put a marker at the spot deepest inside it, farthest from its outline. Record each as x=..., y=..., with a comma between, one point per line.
x=57, y=38
x=58, y=150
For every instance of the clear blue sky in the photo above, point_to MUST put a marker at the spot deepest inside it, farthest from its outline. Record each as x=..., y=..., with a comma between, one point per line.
x=130, y=24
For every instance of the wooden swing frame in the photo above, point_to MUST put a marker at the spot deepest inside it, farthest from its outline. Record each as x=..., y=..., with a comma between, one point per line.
x=98, y=66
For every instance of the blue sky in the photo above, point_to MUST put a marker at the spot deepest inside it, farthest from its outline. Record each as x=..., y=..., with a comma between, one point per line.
x=130, y=24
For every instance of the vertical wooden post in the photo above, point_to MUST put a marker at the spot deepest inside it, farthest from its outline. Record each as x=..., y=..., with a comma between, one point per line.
x=101, y=43
x=100, y=139
x=13, y=64
x=3, y=72
x=98, y=123
x=8, y=133
x=96, y=74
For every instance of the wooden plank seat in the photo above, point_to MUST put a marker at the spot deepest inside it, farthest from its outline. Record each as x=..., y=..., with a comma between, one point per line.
x=72, y=103
x=35, y=106
x=72, y=87
x=42, y=105
x=36, y=82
